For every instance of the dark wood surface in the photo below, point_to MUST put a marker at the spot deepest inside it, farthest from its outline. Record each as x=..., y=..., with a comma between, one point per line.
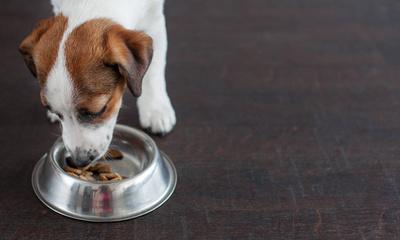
x=288, y=124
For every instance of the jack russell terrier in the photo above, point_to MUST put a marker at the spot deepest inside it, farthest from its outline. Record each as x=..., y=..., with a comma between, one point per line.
x=86, y=55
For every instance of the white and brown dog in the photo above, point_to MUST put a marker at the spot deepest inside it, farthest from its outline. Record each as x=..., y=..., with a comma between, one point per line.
x=86, y=55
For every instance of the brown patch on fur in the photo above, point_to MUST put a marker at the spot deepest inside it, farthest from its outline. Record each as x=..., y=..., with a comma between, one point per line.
x=131, y=52
x=41, y=46
x=102, y=58
x=85, y=51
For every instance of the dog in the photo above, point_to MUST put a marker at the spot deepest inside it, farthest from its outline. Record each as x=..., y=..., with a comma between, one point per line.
x=84, y=58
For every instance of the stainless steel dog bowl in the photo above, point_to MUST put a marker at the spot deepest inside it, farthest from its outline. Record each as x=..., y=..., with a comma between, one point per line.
x=151, y=179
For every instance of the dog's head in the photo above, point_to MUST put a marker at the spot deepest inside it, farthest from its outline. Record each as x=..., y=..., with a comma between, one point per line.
x=83, y=73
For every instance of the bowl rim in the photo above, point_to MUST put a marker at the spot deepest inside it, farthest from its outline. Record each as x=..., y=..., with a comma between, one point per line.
x=141, y=176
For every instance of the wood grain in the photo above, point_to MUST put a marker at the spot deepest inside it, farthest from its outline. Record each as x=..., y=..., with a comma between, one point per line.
x=288, y=124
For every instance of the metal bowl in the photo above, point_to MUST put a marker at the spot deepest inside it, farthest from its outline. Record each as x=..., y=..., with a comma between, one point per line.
x=150, y=180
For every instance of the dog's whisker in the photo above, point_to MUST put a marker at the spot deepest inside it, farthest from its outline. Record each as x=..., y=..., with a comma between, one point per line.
x=55, y=134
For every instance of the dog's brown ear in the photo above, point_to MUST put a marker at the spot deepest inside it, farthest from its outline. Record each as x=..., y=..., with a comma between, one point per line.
x=131, y=53
x=27, y=46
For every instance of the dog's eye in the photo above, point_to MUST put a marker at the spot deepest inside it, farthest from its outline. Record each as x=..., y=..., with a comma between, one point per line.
x=87, y=116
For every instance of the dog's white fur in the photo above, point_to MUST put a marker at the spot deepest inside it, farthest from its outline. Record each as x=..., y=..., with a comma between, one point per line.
x=155, y=109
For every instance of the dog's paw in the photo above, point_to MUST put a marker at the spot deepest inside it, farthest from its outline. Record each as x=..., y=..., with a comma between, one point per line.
x=52, y=117
x=158, y=117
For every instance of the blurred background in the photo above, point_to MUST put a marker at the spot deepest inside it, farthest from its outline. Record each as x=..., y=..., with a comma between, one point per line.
x=288, y=124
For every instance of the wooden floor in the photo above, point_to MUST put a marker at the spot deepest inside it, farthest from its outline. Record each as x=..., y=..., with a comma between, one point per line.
x=288, y=124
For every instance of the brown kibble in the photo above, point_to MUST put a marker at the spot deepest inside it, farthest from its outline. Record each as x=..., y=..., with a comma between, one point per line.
x=108, y=175
x=116, y=178
x=101, y=168
x=74, y=170
x=90, y=178
x=114, y=154
x=73, y=174
x=102, y=177
x=83, y=177
x=87, y=173
x=98, y=172
x=85, y=168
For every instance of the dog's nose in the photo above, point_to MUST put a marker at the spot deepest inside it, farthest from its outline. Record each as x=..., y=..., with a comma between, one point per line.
x=74, y=162
x=81, y=157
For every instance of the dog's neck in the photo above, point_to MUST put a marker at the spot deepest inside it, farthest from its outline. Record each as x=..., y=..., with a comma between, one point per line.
x=125, y=12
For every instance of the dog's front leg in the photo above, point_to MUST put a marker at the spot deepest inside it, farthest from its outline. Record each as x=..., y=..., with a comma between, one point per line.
x=155, y=110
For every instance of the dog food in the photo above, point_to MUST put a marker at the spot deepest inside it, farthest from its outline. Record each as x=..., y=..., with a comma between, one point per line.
x=113, y=154
x=100, y=171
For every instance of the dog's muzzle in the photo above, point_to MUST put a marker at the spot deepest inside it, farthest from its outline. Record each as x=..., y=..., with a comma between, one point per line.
x=82, y=157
